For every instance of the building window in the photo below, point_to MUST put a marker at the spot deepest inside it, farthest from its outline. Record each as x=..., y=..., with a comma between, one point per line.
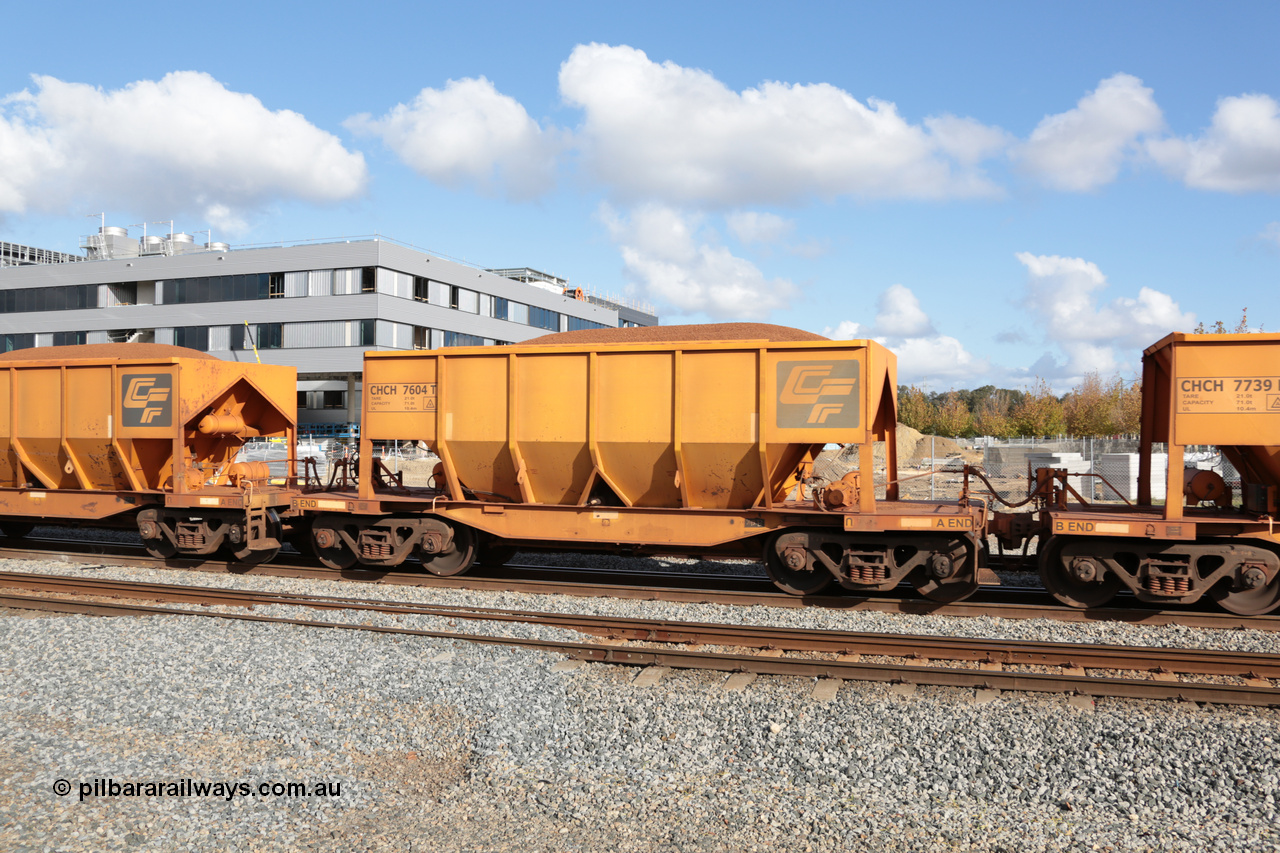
x=421, y=289
x=499, y=308
x=192, y=337
x=369, y=280
x=458, y=339
x=302, y=399
x=66, y=298
x=466, y=300
x=544, y=318
x=66, y=339
x=270, y=335
x=421, y=338
x=275, y=286
x=217, y=288
x=263, y=335
x=577, y=323
x=335, y=399
x=368, y=333
x=9, y=343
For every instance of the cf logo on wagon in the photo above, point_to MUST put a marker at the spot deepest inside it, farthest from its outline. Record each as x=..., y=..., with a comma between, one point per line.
x=146, y=399
x=818, y=394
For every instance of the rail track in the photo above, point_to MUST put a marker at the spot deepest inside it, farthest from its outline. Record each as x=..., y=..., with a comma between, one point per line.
x=1248, y=678
x=992, y=601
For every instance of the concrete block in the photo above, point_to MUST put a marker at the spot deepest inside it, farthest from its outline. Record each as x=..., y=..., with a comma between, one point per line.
x=826, y=689
x=650, y=675
x=568, y=665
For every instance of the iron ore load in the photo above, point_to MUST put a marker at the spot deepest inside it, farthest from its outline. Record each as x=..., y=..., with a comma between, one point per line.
x=690, y=440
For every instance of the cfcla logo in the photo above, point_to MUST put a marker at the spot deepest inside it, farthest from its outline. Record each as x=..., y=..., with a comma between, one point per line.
x=145, y=399
x=806, y=385
x=818, y=394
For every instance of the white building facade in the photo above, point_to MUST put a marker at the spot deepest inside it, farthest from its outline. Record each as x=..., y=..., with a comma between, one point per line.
x=315, y=306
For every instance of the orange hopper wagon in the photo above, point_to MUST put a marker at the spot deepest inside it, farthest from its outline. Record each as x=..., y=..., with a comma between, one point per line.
x=621, y=440
x=144, y=433
x=1219, y=390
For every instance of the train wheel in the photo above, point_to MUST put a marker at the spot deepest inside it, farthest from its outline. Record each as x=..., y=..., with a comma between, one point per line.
x=330, y=548
x=796, y=580
x=1248, y=601
x=265, y=555
x=16, y=529
x=1077, y=581
x=945, y=577
x=458, y=559
x=153, y=537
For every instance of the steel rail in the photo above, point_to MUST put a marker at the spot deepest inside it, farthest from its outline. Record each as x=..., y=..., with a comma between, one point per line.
x=1011, y=652
x=134, y=556
x=688, y=659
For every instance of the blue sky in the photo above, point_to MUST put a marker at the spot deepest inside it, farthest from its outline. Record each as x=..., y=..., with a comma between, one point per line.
x=998, y=191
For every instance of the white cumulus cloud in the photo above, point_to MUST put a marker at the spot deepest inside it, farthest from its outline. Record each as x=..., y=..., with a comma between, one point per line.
x=659, y=131
x=469, y=133
x=665, y=257
x=924, y=355
x=1240, y=152
x=1064, y=295
x=181, y=144
x=750, y=226
x=1084, y=148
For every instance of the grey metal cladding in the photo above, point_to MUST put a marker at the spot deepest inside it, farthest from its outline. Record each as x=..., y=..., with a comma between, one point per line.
x=319, y=333
x=296, y=284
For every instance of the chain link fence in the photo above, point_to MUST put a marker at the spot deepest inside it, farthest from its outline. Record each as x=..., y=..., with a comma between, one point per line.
x=1100, y=470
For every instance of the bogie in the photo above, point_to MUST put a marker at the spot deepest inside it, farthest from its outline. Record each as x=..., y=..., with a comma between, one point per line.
x=806, y=562
x=1088, y=572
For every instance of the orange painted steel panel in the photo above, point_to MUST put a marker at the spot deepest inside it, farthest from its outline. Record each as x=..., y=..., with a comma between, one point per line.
x=713, y=425
x=1221, y=390
x=90, y=424
x=552, y=440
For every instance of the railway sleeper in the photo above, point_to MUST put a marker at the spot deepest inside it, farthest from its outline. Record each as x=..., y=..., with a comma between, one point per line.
x=1087, y=572
x=806, y=562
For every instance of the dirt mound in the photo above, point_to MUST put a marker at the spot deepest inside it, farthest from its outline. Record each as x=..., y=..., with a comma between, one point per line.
x=102, y=351
x=908, y=438
x=932, y=445
x=666, y=334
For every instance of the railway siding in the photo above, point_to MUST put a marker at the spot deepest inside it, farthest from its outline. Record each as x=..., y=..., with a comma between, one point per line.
x=495, y=748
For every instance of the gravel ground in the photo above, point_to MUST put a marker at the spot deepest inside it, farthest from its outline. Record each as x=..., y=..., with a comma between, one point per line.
x=440, y=745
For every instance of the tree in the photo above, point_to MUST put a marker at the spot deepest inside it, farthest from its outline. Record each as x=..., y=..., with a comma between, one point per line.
x=1093, y=409
x=914, y=408
x=1087, y=408
x=1220, y=328
x=1128, y=407
x=952, y=417
x=991, y=415
x=1039, y=413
